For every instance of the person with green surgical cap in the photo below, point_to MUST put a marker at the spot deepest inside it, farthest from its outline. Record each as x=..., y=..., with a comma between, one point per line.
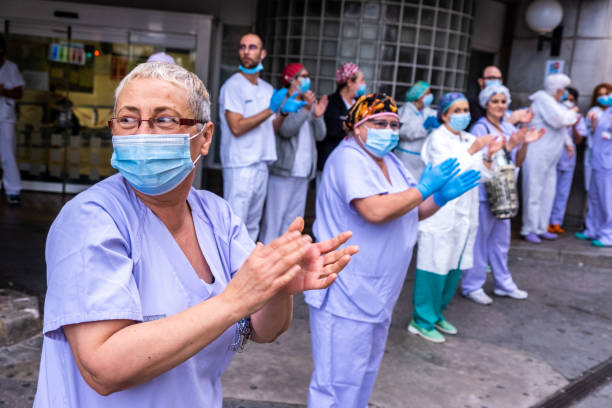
x=446, y=239
x=417, y=121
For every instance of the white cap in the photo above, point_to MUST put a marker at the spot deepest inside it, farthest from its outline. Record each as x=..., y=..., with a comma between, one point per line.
x=554, y=82
x=161, y=57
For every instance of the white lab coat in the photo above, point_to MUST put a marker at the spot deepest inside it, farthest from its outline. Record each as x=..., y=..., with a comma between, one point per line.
x=446, y=239
x=539, y=168
x=412, y=136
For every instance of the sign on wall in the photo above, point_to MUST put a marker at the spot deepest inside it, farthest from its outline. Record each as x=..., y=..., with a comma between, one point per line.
x=554, y=67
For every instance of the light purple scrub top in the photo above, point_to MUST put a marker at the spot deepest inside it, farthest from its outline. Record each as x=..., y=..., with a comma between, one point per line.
x=109, y=257
x=602, y=146
x=484, y=127
x=367, y=289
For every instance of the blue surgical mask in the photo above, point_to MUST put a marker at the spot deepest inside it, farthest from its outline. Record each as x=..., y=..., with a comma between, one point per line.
x=360, y=91
x=564, y=96
x=605, y=100
x=153, y=164
x=304, y=85
x=251, y=71
x=428, y=99
x=381, y=142
x=460, y=121
x=493, y=82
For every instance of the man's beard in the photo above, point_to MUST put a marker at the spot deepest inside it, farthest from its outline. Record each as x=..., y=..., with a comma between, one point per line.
x=250, y=65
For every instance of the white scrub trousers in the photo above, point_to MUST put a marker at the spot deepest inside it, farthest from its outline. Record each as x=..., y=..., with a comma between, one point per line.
x=539, y=189
x=10, y=177
x=286, y=200
x=346, y=355
x=244, y=188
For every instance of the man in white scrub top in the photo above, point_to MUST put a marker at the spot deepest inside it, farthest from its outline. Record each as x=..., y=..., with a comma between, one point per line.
x=11, y=89
x=152, y=284
x=248, y=121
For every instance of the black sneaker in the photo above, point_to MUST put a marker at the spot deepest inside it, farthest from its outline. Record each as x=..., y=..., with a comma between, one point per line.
x=13, y=199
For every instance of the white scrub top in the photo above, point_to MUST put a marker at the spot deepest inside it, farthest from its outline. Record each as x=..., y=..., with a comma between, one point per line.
x=110, y=257
x=367, y=289
x=238, y=95
x=446, y=239
x=11, y=78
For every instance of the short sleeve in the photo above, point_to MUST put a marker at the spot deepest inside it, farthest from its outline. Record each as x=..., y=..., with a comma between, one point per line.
x=241, y=244
x=355, y=177
x=89, y=270
x=479, y=129
x=16, y=78
x=232, y=98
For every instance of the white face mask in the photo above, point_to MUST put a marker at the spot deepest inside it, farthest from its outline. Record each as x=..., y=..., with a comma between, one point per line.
x=569, y=104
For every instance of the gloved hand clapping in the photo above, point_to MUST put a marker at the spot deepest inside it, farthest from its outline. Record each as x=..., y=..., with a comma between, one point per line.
x=457, y=186
x=277, y=99
x=291, y=105
x=435, y=177
x=431, y=123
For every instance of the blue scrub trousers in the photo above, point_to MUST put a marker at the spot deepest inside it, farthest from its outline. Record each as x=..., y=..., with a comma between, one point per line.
x=346, y=355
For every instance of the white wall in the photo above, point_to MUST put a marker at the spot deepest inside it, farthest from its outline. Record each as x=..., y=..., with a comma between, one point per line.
x=586, y=49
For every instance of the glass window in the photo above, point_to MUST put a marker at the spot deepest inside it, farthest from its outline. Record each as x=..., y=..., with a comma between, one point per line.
x=298, y=9
x=438, y=58
x=349, y=29
x=386, y=89
x=443, y=20
x=388, y=52
x=391, y=33
x=331, y=29
x=408, y=35
x=371, y=10
x=392, y=13
x=455, y=22
x=367, y=51
x=312, y=27
x=327, y=68
x=437, y=77
x=411, y=15
x=427, y=17
x=404, y=74
x=425, y=37
x=367, y=68
x=406, y=55
x=348, y=48
x=451, y=60
x=400, y=92
x=330, y=48
x=314, y=8
x=295, y=46
x=423, y=56
x=311, y=47
x=369, y=31
x=387, y=72
x=441, y=39
x=296, y=27
x=453, y=41
x=422, y=74
x=352, y=9
x=332, y=8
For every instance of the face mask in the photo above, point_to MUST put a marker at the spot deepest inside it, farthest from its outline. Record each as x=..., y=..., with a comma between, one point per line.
x=304, y=85
x=569, y=104
x=153, y=164
x=380, y=142
x=360, y=91
x=605, y=100
x=428, y=99
x=493, y=82
x=250, y=71
x=564, y=96
x=460, y=121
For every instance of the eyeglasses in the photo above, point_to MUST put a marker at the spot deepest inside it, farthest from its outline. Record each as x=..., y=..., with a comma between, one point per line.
x=159, y=122
x=383, y=124
x=492, y=78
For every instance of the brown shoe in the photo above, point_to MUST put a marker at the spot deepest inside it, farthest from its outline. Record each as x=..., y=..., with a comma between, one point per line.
x=555, y=229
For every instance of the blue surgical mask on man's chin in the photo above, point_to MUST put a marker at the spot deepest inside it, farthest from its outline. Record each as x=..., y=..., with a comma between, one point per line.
x=250, y=71
x=493, y=82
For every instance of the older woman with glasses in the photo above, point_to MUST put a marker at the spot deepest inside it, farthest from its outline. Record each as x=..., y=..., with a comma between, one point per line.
x=153, y=285
x=368, y=190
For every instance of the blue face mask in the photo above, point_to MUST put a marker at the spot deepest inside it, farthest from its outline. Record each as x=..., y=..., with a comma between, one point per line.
x=428, y=99
x=493, y=82
x=153, y=164
x=380, y=142
x=605, y=100
x=361, y=91
x=564, y=96
x=251, y=71
x=460, y=121
x=304, y=85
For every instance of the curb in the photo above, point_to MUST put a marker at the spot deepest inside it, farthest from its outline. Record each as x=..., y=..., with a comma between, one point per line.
x=19, y=317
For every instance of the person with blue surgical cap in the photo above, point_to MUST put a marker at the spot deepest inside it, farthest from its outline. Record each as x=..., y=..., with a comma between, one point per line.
x=296, y=162
x=417, y=121
x=539, y=169
x=446, y=239
x=493, y=236
x=368, y=190
x=599, y=216
x=601, y=99
x=566, y=166
x=153, y=285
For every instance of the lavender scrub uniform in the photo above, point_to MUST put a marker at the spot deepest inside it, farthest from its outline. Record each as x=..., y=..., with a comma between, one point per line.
x=599, y=216
x=350, y=320
x=109, y=257
x=493, y=236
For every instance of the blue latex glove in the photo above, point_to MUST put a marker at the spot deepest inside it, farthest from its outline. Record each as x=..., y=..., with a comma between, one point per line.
x=431, y=123
x=277, y=99
x=435, y=177
x=457, y=186
x=291, y=105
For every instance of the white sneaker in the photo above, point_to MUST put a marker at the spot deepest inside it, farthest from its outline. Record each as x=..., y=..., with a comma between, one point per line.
x=479, y=296
x=515, y=294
